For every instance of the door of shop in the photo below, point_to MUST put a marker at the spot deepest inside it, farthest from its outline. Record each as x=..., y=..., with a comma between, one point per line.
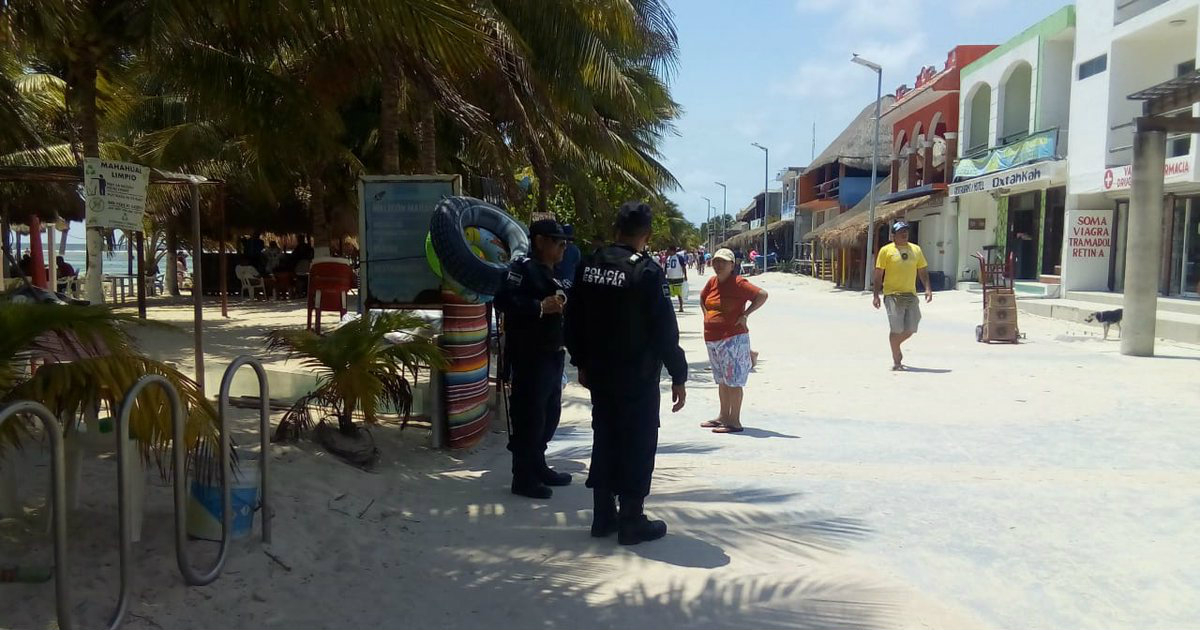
x=1185, y=248
x=1052, y=231
x=1023, y=224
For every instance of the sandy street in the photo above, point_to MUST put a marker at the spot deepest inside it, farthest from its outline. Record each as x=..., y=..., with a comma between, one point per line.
x=1051, y=484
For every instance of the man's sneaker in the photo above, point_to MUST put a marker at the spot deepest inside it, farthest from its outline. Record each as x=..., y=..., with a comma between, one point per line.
x=533, y=490
x=552, y=477
x=642, y=529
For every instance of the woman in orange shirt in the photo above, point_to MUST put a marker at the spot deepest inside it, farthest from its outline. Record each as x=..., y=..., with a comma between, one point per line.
x=724, y=299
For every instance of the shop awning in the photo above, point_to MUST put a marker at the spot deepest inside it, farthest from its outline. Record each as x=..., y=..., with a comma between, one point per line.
x=855, y=227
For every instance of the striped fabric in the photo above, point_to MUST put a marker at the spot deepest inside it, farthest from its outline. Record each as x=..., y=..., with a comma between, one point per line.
x=465, y=340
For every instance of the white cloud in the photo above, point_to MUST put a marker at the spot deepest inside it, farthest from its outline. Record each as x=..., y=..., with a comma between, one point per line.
x=891, y=16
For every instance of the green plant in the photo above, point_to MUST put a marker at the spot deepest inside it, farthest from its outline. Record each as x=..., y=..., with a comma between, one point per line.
x=358, y=369
x=93, y=361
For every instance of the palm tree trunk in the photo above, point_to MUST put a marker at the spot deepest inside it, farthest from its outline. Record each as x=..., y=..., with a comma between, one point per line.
x=172, y=284
x=346, y=420
x=322, y=236
x=427, y=137
x=81, y=90
x=545, y=187
x=389, y=122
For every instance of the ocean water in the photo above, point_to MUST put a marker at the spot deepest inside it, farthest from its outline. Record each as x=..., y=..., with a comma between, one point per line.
x=114, y=262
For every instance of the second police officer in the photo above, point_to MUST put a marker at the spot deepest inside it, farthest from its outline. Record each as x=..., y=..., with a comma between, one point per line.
x=621, y=330
x=532, y=302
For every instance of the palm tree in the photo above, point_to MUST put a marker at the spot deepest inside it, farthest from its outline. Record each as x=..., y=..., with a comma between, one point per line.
x=92, y=360
x=358, y=369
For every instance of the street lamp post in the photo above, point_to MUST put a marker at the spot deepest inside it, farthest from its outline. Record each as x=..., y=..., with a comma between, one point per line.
x=708, y=225
x=868, y=264
x=766, y=203
x=724, y=208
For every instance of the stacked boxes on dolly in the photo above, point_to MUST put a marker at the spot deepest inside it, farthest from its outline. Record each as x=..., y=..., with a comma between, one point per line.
x=999, y=317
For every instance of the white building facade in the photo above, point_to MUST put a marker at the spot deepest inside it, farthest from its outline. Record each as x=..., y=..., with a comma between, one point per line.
x=1121, y=47
x=1010, y=181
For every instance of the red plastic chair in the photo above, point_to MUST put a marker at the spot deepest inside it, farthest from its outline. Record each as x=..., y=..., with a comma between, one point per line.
x=329, y=281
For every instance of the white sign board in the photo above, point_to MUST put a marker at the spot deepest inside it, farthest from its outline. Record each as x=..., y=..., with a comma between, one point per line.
x=115, y=194
x=1009, y=178
x=1176, y=169
x=1087, y=249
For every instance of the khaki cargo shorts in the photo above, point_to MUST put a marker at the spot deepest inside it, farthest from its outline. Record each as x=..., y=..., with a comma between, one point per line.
x=904, y=312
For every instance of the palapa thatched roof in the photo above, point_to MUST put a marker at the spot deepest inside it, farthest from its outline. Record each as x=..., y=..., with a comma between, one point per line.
x=848, y=229
x=826, y=232
x=853, y=147
x=754, y=237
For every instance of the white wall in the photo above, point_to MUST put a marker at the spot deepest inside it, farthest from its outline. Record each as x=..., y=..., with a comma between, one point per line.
x=1089, y=97
x=992, y=73
x=1054, y=96
x=1141, y=52
x=974, y=206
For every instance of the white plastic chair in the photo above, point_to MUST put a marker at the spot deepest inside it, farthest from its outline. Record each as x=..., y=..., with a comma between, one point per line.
x=250, y=280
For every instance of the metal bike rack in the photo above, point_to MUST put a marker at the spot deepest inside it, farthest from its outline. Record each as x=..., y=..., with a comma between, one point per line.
x=264, y=414
x=124, y=517
x=58, y=500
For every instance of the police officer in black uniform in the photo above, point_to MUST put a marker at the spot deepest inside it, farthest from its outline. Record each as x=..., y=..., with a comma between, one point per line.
x=532, y=302
x=621, y=330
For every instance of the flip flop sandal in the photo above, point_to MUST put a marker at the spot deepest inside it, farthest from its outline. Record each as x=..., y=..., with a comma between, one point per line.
x=728, y=429
x=899, y=368
x=711, y=424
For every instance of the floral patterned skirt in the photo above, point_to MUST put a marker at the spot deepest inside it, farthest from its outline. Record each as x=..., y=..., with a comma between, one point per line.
x=730, y=360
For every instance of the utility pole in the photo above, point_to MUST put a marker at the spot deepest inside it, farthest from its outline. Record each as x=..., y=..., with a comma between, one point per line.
x=868, y=264
x=766, y=202
x=708, y=225
x=724, y=209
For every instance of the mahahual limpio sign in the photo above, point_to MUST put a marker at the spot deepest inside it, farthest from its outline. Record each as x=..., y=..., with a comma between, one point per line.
x=1039, y=146
x=1176, y=169
x=115, y=194
x=1011, y=177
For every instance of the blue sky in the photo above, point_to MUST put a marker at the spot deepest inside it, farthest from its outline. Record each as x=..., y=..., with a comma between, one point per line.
x=765, y=70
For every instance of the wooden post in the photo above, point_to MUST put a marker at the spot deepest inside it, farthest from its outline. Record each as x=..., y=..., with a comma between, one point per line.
x=224, y=266
x=197, y=289
x=141, y=275
x=51, y=262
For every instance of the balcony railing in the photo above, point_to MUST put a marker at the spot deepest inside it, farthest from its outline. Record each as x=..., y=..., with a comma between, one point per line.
x=1014, y=150
x=1127, y=141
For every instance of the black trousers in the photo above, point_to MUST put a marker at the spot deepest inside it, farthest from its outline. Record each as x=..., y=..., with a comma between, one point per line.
x=624, y=441
x=536, y=406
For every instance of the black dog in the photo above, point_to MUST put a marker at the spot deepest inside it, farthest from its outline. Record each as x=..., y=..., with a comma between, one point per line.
x=1106, y=319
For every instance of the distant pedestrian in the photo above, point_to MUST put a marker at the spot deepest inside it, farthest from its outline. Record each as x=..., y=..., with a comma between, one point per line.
x=727, y=337
x=896, y=269
x=676, y=268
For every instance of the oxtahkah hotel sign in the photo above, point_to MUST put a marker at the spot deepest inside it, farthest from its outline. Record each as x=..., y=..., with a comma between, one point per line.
x=1042, y=171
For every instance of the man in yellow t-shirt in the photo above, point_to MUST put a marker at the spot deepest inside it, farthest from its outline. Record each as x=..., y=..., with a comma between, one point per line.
x=896, y=269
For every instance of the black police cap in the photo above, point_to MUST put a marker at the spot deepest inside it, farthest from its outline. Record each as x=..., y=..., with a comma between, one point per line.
x=549, y=227
x=634, y=216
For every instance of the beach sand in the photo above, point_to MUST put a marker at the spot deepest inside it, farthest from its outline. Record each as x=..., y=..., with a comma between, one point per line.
x=856, y=499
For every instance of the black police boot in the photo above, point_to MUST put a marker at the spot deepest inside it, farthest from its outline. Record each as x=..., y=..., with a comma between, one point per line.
x=551, y=477
x=531, y=488
x=634, y=527
x=604, y=513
